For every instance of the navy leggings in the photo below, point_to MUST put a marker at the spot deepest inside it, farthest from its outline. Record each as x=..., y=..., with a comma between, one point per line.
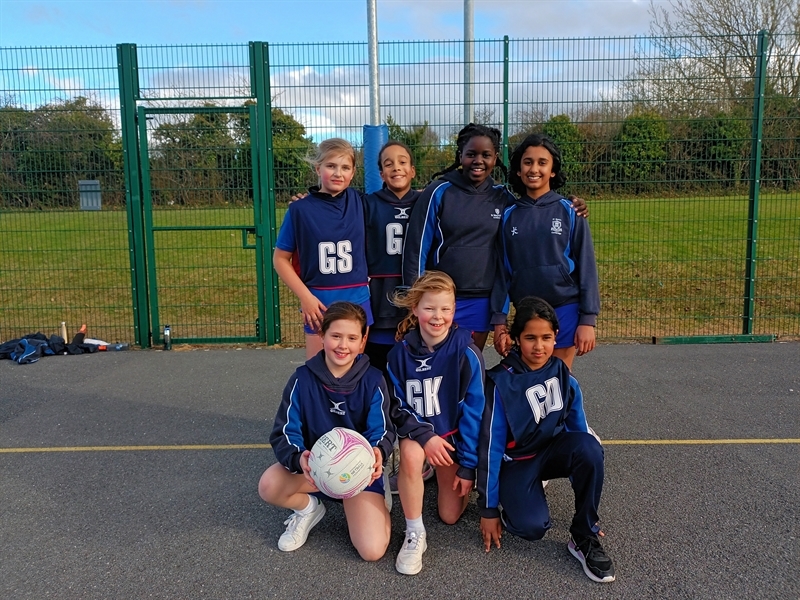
x=576, y=455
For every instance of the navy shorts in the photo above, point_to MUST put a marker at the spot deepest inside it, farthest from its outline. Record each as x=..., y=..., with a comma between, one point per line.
x=472, y=314
x=367, y=309
x=382, y=336
x=568, y=317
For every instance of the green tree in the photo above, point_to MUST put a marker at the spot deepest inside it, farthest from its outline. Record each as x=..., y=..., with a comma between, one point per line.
x=291, y=148
x=45, y=151
x=640, y=151
x=430, y=156
x=569, y=140
x=780, y=165
x=14, y=123
x=717, y=148
x=195, y=160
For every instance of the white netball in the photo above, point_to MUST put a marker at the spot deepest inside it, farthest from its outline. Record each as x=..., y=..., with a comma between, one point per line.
x=341, y=463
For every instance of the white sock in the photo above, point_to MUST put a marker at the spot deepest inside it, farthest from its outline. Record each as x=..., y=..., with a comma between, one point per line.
x=415, y=525
x=312, y=504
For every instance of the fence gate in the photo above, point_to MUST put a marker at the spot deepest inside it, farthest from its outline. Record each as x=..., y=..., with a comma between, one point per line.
x=203, y=223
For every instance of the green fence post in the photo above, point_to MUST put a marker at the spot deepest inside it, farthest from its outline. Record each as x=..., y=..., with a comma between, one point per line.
x=259, y=70
x=755, y=183
x=127, y=68
x=505, y=100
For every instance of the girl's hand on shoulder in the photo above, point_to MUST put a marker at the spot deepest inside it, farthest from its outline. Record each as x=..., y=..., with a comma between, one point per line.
x=312, y=310
x=377, y=471
x=502, y=341
x=307, y=468
x=297, y=197
x=462, y=486
x=579, y=206
x=491, y=530
x=584, y=339
x=436, y=451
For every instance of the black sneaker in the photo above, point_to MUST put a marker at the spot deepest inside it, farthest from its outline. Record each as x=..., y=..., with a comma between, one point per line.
x=596, y=563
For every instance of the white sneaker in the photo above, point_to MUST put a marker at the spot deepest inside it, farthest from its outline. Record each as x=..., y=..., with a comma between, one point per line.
x=299, y=526
x=597, y=437
x=409, y=559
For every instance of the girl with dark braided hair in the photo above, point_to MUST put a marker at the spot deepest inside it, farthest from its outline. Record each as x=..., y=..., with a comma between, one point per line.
x=455, y=224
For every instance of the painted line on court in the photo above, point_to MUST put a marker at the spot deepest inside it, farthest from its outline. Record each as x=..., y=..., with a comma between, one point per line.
x=137, y=448
x=269, y=446
x=700, y=442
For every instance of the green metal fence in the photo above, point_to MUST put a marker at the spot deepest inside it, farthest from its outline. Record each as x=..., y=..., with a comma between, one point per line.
x=59, y=124
x=691, y=172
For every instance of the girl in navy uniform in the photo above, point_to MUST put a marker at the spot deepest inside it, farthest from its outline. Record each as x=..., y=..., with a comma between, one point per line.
x=387, y=213
x=455, y=228
x=335, y=388
x=320, y=250
x=437, y=374
x=547, y=250
x=534, y=429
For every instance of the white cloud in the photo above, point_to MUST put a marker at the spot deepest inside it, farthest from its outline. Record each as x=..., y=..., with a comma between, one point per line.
x=424, y=19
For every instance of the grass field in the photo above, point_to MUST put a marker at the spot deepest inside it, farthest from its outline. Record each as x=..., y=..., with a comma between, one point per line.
x=668, y=267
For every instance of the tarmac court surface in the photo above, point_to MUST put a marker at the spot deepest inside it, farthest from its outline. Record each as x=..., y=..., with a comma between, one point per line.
x=133, y=475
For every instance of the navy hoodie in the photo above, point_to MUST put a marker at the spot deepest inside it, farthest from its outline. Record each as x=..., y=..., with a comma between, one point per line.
x=454, y=228
x=548, y=252
x=314, y=402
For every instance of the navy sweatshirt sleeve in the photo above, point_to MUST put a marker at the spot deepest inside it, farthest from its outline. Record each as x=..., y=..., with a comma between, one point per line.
x=586, y=267
x=287, y=432
x=422, y=233
x=380, y=430
x=491, y=447
x=471, y=411
x=576, y=417
x=499, y=302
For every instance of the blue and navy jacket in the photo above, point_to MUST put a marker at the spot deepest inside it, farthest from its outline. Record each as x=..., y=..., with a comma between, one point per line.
x=440, y=392
x=454, y=228
x=548, y=252
x=525, y=410
x=386, y=218
x=314, y=402
x=327, y=234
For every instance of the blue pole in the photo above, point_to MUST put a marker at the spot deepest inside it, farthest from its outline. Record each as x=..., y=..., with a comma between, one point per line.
x=375, y=136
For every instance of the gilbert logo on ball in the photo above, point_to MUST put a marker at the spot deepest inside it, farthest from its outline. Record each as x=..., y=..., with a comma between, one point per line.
x=341, y=463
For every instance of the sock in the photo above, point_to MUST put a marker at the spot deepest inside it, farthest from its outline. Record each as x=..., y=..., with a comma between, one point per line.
x=312, y=504
x=415, y=525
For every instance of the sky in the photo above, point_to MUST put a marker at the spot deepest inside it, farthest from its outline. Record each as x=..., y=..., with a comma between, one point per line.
x=327, y=100
x=109, y=22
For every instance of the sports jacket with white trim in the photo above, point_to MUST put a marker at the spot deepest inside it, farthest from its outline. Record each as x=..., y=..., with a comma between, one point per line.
x=524, y=411
x=439, y=392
